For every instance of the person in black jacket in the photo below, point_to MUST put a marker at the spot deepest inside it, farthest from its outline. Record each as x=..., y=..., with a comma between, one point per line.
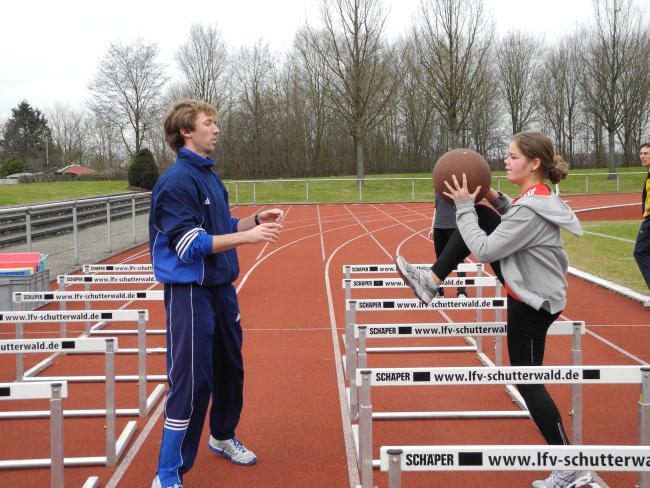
x=642, y=246
x=192, y=239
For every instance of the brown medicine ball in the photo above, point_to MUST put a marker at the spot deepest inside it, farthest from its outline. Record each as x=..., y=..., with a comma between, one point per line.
x=459, y=161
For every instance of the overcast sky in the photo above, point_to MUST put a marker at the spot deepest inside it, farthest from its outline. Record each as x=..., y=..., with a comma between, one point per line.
x=50, y=48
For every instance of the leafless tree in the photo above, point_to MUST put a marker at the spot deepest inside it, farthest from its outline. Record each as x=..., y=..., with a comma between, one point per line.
x=126, y=89
x=360, y=80
x=518, y=60
x=106, y=150
x=609, y=52
x=256, y=118
x=203, y=61
x=69, y=133
x=452, y=40
x=560, y=95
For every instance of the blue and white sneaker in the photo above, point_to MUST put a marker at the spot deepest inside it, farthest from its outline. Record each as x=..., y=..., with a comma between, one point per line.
x=564, y=479
x=156, y=484
x=233, y=450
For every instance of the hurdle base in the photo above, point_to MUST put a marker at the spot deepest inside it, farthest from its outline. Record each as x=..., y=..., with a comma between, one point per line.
x=46, y=363
x=154, y=397
x=124, y=438
x=92, y=482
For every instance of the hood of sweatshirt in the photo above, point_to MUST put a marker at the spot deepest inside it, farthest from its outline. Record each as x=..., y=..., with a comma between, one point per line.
x=554, y=210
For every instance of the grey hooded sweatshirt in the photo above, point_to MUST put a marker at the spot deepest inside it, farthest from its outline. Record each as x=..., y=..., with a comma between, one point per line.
x=527, y=243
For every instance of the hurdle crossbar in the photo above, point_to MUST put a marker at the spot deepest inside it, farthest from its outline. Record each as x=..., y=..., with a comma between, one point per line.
x=491, y=376
x=119, y=268
x=350, y=269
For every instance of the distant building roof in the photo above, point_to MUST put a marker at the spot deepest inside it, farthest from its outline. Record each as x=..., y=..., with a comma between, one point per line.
x=74, y=169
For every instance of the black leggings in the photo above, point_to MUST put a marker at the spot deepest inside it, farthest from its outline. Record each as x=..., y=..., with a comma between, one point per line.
x=440, y=239
x=527, y=330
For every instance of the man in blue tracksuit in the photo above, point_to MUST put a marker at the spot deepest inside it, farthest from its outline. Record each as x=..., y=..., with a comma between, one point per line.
x=192, y=240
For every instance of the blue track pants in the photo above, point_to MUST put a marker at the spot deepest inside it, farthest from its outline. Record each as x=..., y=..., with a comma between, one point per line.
x=204, y=361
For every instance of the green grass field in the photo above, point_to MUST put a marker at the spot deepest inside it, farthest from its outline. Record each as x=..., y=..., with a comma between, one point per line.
x=607, y=258
x=26, y=194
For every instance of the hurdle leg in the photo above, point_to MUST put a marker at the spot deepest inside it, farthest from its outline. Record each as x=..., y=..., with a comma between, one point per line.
x=394, y=468
x=576, y=389
x=110, y=404
x=365, y=431
x=62, y=306
x=142, y=366
x=20, y=367
x=362, y=359
x=644, y=421
x=87, y=288
x=56, y=437
x=479, y=315
x=498, y=343
x=350, y=343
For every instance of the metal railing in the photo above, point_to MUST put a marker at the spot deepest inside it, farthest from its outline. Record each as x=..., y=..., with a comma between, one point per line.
x=25, y=214
x=248, y=191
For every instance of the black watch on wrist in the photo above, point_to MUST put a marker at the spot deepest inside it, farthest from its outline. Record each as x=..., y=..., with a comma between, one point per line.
x=257, y=221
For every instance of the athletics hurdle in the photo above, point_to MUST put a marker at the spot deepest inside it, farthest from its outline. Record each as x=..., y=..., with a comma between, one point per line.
x=492, y=376
x=499, y=329
x=379, y=304
x=64, y=280
x=114, y=448
x=396, y=459
x=119, y=268
x=141, y=316
x=87, y=296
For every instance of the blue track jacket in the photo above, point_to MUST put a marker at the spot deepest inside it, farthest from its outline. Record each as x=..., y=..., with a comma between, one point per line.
x=189, y=204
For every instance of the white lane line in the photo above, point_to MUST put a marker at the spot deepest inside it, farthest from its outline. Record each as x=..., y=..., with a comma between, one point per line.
x=368, y=233
x=126, y=461
x=609, y=237
x=320, y=229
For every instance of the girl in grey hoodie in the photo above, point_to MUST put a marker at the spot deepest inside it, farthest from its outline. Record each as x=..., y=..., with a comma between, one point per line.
x=522, y=242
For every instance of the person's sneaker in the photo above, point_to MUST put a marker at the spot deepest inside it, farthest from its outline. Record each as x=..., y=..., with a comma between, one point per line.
x=647, y=304
x=233, y=450
x=420, y=280
x=461, y=294
x=564, y=479
x=156, y=484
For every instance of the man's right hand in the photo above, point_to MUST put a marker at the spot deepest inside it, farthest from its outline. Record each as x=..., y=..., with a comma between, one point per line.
x=269, y=232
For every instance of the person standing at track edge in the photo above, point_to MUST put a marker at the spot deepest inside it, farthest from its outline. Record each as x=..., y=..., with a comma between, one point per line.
x=642, y=246
x=192, y=240
x=442, y=228
x=521, y=240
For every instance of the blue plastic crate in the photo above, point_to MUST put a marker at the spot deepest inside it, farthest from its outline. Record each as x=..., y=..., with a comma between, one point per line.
x=22, y=272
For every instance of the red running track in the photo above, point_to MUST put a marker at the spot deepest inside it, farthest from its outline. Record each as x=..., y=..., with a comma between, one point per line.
x=295, y=409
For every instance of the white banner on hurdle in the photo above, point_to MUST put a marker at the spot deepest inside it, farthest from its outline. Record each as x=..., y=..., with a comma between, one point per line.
x=454, y=329
x=399, y=283
x=30, y=391
x=83, y=345
x=382, y=304
x=519, y=458
x=102, y=268
x=74, y=296
x=390, y=268
x=502, y=375
x=105, y=279
x=73, y=316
